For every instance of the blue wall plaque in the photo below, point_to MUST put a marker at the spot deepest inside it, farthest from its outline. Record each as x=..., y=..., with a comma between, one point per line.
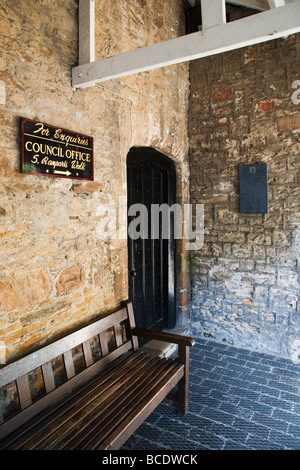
x=253, y=189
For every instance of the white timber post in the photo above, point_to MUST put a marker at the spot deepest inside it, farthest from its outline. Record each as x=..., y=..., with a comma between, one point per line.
x=213, y=13
x=276, y=3
x=86, y=31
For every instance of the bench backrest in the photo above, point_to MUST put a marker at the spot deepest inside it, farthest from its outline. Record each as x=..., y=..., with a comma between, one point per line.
x=38, y=380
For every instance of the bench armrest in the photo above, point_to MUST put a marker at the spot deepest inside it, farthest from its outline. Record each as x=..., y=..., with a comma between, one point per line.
x=163, y=336
x=184, y=343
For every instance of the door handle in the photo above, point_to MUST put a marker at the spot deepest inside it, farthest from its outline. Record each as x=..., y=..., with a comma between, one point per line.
x=133, y=273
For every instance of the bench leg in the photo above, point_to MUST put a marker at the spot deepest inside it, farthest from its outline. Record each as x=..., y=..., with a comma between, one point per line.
x=183, y=384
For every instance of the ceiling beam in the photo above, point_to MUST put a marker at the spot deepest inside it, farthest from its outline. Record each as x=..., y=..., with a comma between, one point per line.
x=260, y=5
x=276, y=3
x=272, y=24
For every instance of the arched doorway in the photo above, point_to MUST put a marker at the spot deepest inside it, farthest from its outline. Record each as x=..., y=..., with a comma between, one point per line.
x=151, y=182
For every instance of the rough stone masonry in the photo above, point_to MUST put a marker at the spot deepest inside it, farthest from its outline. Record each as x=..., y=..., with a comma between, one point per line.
x=245, y=280
x=58, y=267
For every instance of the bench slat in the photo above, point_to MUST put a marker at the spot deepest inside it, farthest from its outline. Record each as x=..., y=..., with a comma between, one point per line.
x=138, y=378
x=13, y=371
x=103, y=343
x=48, y=377
x=116, y=415
x=80, y=399
x=76, y=429
x=48, y=435
x=24, y=392
x=97, y=422
x=87, y=351
x=69, y=364
x=106, y=408
x=58, y=393
x=138, y=415
x=118, y=335
x=99, y=387
x=131, y=318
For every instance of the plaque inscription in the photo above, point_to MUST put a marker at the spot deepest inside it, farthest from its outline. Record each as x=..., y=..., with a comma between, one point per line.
x=52, y=151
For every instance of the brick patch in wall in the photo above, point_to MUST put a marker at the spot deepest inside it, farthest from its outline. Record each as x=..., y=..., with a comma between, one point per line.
x=24, y=289
x=266, y=105
x=245, y=279
x=222, y=93
x=70, y=279
x=51, y=225
x=89, y=187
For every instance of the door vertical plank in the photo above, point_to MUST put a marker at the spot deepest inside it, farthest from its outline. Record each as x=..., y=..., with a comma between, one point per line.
x=151, y=179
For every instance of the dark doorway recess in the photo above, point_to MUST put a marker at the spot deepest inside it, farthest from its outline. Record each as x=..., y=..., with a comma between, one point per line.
x=151, y=179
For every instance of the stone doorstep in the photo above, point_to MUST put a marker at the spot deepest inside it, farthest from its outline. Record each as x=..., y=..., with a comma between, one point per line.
x=162, y=348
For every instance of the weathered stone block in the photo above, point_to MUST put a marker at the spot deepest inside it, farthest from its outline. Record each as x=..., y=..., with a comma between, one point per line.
x=288, y=123
x=283, y=299
x=70, y=279
x=24, y=289
x=221, y=93
x=50, y=227
x=256, y=273
x=247, y=265
x=242, y=251
x=288, y=278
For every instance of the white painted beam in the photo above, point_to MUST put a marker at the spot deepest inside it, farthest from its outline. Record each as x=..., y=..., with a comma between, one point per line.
x=86, y=31
x=276, y=3
x=213, y=13
x=260, y=5
x=272, y=24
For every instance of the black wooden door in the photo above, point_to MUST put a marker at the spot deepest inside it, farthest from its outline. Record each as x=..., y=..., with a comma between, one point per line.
x=151, y=260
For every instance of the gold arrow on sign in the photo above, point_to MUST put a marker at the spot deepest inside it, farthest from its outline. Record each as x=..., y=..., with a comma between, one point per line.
x=67, y=173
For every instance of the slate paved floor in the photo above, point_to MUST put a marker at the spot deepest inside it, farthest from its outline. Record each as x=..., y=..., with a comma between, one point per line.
x=239, y=400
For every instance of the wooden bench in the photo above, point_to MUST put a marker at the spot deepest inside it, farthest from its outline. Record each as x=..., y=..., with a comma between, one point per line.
x=91, y=389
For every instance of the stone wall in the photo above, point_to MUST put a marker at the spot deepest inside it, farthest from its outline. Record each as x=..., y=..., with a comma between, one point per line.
x=59, y=266
x=245, y=279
